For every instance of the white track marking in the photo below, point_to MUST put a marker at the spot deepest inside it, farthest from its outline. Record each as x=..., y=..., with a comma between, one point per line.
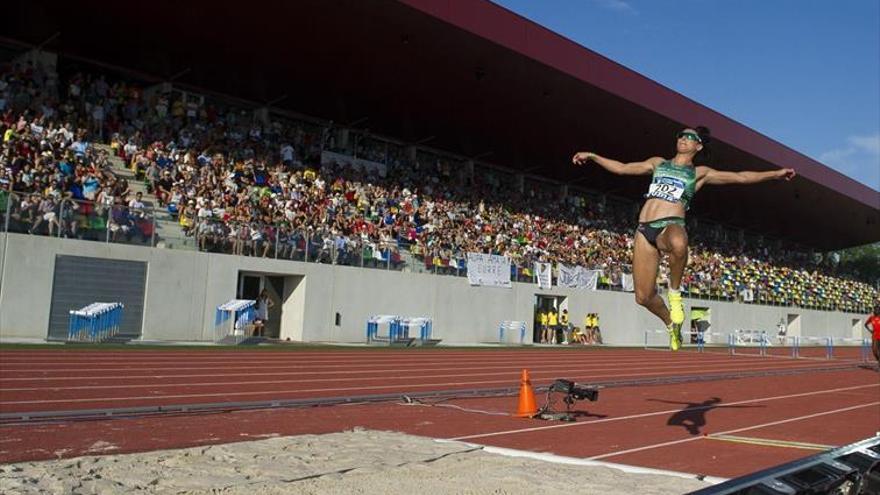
x=367, y=361
x=737, y=430
x=659, y=413
x=347, y=368
x=381, y=374
x=509, y=381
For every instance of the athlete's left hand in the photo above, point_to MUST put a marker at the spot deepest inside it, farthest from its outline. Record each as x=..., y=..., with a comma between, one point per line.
x=786, y=174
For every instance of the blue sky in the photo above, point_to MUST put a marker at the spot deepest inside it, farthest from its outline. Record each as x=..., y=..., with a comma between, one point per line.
x=803, y=72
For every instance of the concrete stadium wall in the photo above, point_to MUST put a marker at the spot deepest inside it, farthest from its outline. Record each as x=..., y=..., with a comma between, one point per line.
x=184, y=288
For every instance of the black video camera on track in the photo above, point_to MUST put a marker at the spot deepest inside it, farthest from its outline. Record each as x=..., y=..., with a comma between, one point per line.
x=575, y=391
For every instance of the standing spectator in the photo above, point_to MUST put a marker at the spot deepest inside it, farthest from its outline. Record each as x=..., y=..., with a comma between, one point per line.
x=545, y=332
x=781, y=331
x=588, y=328
x=553, y=325
x=597, y=330
x=287, y=155
x=264, y=304
x=566, y=326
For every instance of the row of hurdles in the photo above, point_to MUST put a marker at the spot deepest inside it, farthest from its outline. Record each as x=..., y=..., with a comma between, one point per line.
x=761, y=341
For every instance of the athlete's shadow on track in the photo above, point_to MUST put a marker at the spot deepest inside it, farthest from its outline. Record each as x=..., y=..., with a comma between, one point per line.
x=693, y=416
x=587, y=414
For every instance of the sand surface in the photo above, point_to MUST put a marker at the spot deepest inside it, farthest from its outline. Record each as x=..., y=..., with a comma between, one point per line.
x=352, y=462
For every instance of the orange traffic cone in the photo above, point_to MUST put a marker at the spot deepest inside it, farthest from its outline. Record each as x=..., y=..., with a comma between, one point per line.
x=527, y=407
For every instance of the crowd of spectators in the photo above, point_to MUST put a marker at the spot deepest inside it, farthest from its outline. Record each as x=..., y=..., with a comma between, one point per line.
x=62, y=184
x=257, y=187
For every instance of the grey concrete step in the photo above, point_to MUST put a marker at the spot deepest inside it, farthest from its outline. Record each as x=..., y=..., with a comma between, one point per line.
x=169, y=233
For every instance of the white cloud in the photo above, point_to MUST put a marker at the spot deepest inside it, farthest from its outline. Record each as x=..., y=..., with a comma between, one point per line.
x=859, y=159
x=869, y=144
x=617, y=5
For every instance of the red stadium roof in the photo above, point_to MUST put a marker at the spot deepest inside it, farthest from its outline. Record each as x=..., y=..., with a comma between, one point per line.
x=469, y=77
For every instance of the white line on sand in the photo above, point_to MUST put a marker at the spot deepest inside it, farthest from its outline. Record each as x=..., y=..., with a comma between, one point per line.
x=575, y=461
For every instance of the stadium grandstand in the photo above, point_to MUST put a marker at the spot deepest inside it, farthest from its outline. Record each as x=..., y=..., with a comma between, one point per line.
x=232, y=214
x=373, y=166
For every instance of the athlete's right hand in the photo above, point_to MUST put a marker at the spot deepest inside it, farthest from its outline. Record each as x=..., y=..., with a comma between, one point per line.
x=582, y=157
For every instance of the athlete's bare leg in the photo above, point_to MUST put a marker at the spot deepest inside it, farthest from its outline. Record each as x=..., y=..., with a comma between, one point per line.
x=646, y=261
x=674, y=242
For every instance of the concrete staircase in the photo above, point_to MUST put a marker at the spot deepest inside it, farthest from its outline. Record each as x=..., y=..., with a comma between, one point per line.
x=169, y=233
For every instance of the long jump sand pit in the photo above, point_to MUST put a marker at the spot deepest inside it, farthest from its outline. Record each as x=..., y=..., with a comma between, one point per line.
x=357, y=461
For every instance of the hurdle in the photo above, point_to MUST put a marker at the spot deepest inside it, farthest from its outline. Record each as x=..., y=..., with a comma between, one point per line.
x=797, y=343
x=96, y=322
x=739, y=340
x=749, y=338
x=830, y=342
x=399, y=329
x=746, y=338
x=512, y=326
x=394, y=329
x=425, y=326
x=815, y=341
x=239, y=313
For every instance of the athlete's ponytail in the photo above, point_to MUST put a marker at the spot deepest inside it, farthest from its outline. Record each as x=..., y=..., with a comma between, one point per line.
x=704, y=157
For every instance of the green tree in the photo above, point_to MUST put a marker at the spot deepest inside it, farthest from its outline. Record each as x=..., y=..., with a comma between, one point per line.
x=862, y=261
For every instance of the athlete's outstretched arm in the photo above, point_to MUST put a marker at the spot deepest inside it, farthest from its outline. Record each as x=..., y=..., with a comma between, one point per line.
x=635, y=168
x=718, y=177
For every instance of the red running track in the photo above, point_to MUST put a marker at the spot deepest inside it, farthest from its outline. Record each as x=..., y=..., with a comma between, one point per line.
x=659, y=426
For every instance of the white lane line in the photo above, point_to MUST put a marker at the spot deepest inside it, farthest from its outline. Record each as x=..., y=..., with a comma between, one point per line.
x=273, y=393
x=404, y=389
x=298, y=358
x=377, y=367
x=382, y=374
x=668, y=411
x=737, y=430
x=93, y=363
x=510, y=381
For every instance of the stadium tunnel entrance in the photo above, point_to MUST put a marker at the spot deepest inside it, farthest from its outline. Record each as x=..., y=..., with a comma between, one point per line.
x=283, y=320
x=701, y=321
x=858, y=329
x=793, y=327
x=544, y=304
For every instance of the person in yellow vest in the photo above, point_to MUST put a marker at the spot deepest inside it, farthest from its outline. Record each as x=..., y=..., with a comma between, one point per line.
x=542, y=316
x=553, y=324
x=588, y=328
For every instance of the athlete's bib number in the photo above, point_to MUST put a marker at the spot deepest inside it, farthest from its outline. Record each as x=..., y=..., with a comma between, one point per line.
x=667, y=189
